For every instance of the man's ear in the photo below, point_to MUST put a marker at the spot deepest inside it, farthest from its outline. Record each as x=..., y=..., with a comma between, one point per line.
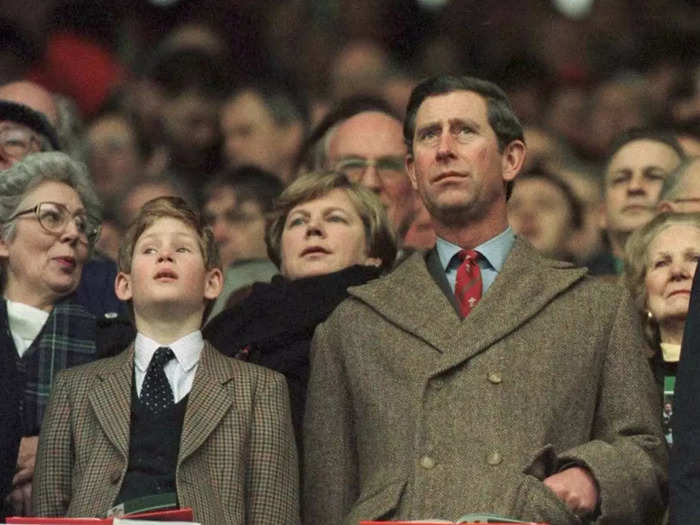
x=411, y=170
x=213, y=284
x=512, y=159
x=122, y=286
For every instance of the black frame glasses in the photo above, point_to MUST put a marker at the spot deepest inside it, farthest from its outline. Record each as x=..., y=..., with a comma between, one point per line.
x=53, y=217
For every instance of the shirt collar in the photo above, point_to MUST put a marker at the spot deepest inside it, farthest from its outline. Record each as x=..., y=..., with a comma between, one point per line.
x=494, y=251
x=187, y=350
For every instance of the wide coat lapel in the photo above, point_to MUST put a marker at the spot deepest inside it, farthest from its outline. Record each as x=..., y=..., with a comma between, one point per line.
x=111, y=398
x=209, y=400
x=410, y=298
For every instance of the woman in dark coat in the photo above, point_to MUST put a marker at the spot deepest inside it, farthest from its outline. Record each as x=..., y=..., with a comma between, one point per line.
x=325, y=235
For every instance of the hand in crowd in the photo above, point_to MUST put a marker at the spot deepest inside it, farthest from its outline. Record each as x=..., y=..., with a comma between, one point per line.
x=20, y=498
x=576, y=487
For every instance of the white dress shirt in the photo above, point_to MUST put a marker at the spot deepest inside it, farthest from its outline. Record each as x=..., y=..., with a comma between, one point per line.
x=179, y=371
x=25, y=324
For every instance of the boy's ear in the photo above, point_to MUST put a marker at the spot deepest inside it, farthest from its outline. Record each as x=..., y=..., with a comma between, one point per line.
x=122, y=286
x=213, y=284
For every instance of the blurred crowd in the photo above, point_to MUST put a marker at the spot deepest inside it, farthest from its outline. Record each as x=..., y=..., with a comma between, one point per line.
x=228, y=104
x=160, y=97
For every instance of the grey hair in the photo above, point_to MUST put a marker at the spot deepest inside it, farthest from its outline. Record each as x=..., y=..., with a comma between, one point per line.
x=33, y=170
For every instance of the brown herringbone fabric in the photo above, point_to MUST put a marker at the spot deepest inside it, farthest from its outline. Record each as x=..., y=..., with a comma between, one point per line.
x=413, y=412
x=237, y=461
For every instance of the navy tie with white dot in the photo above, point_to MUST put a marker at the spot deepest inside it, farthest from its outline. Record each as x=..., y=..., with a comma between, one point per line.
x=156, y=393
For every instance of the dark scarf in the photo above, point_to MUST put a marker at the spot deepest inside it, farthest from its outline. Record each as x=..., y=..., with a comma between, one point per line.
x=274, y=325
x=283, y=311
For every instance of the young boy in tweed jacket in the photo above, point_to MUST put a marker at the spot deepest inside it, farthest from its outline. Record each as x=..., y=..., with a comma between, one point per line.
x=169, y=414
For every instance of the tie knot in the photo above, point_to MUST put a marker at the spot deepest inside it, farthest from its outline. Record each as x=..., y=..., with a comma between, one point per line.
x=468, y=255
x=162, y=356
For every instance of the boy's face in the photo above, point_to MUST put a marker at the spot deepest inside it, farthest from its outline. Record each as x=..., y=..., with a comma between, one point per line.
x=167, y=269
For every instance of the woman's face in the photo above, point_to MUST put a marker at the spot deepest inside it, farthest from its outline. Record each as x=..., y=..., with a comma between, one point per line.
x=673, y=256
x=42, y=266
x=323, y=235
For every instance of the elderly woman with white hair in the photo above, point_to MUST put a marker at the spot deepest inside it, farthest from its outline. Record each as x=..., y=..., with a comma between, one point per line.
x=49, y=221
x=660, y=262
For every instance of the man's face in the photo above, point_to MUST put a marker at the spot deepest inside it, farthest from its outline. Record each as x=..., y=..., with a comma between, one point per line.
x=190, y=124
x=369, y=149
x=239, y=227
x=456, y=165
x=250, y=133
x=539, y=211
x=16, y=142
x=633, y=182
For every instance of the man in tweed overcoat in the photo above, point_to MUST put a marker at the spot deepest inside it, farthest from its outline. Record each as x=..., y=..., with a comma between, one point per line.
x=225, y=445
x=538, y=405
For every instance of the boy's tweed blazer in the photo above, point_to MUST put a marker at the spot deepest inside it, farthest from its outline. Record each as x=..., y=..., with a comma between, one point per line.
x=237, y=462
x=415, y=413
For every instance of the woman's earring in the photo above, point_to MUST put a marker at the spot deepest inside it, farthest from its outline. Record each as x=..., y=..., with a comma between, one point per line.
x=650, y=316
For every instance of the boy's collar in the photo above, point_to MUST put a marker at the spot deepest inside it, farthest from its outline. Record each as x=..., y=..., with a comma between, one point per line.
x=187, y=350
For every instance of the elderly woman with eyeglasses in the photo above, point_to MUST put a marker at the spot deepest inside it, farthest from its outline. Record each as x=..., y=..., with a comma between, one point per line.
x=49, y=221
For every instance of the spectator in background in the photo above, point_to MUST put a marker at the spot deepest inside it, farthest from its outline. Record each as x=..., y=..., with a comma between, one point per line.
x=638, y=162
x=192, y=84
x=544, y=210
x=362, y=138
x=616, y=105
x=113, y=155
x=146, y=190
x=680, y=192
x=264, y=125
x=235, y=207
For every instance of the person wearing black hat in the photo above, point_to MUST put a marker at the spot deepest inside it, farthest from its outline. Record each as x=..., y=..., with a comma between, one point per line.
x=23, y=131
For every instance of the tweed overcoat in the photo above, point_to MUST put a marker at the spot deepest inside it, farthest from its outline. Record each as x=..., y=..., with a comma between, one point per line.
x=415, y=413
x=237, y=461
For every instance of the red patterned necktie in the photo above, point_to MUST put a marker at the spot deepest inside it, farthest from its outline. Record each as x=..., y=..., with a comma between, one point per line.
x=468, y=286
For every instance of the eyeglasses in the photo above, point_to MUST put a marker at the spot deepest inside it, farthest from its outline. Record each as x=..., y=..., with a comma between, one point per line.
x=53, y=217
x=18, y=141
x=356, y=167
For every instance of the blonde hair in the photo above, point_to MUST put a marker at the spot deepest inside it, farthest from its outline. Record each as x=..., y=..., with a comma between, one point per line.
x=379, y=236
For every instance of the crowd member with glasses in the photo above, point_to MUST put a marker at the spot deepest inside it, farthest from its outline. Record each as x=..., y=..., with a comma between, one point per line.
x=362, y=138
x=23, y=131
x=49, y=221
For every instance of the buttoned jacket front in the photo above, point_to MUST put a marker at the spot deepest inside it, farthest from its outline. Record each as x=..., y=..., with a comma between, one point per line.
x=414, y=413
x=237, y=462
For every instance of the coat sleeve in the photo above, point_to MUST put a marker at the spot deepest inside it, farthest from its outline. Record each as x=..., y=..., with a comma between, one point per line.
x=330, y=457
x=272, y=473
x=52, y=479
x=685, y=455
x=627, y=451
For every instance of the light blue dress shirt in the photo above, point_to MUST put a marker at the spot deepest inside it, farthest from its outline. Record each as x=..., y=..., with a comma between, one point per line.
x=493, y=255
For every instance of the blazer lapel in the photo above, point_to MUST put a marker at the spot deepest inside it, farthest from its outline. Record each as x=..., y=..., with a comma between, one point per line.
x=409, y=298
x=208, y=401
x=111, y=398
x=527, y=283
